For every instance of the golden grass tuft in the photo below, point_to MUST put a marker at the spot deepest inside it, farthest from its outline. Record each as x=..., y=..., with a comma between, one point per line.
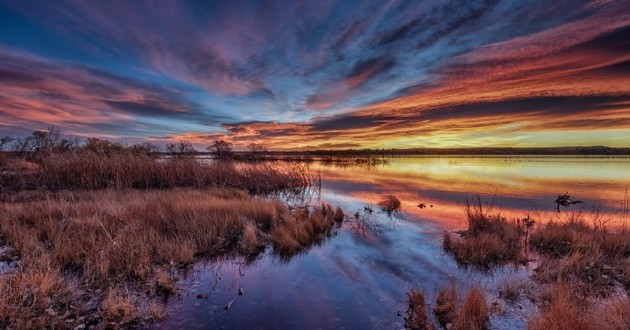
x=416, y=317
x=119, y=305
x=474, y=313
x=489, y=240
x=561, y=312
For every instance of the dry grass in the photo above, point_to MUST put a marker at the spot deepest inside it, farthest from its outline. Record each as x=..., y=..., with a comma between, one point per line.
x=445, y=309
x=510, y=290
x=416, y=317
x=489, y=240
x=72, y=245
x=592, y=258
x=560, y=312
x=564, y=309
x=473, y=313
x=613, y=314
x=86, y=169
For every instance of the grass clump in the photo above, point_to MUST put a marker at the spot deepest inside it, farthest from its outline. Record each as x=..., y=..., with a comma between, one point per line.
x=489, y=240
x=416, y=317
x=592, y=258
x=564, y=308
x=473, y=313
x=445, y=308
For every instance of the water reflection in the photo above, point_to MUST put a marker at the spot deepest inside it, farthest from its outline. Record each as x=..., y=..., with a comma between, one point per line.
x=523, y=185
x=358, y=279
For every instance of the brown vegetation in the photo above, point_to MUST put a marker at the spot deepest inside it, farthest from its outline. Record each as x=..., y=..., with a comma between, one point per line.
x=96, y=250
x=445, y=308
x=489, y=240
x=562, y=311
x=416, y=317
x=471, y=314
x=585, y=263
x=90, y=169
x=590, y=257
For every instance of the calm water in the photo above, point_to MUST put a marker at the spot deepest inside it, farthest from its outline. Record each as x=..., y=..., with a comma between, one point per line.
x=358, y=279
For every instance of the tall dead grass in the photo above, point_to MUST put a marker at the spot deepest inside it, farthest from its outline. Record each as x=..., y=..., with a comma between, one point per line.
x=86, y=169
x=471, y=313
x=560, y=311
x=590, y=257
x=489, y=240
x=72, y=243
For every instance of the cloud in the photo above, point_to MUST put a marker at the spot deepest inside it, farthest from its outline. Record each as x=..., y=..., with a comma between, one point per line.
x=309, y=74
x=36, y=93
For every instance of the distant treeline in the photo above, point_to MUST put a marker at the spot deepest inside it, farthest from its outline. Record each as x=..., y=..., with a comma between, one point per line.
x=590, y=150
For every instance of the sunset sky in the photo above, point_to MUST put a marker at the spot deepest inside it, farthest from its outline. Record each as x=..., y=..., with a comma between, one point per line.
x=319, y=74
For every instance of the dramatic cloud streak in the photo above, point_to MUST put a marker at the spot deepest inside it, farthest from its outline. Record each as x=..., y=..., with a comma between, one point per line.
x=330, y=74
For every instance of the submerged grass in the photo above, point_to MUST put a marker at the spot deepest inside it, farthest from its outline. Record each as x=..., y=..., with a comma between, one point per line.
x=108, y=246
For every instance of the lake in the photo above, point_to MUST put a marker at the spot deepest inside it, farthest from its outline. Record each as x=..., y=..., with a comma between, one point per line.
x=359, y=278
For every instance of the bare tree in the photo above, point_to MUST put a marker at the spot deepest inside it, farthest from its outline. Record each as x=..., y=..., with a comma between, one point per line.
x=181, y=149
x=23, y=146
x=221, y=149
x=102, y=146
x=145, y=148
x=256, y=149
x=5, y=141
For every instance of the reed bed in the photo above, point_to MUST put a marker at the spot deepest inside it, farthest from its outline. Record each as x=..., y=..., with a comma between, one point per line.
x=89, y=257
x=90, y=170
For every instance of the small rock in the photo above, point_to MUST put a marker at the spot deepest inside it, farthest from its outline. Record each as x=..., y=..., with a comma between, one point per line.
x=229, y=305
x=202, y=296
x=605, y=277
x=606, y=267
x=51, y=312
x=69, y=320
x=240, y=291
x=399, y=314
x=79, y=327
x=449, y=325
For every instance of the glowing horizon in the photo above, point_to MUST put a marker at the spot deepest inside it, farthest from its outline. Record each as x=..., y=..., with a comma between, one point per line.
x=328, y=75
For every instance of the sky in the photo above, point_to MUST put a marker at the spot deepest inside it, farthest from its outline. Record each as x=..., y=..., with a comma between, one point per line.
x=329, y=74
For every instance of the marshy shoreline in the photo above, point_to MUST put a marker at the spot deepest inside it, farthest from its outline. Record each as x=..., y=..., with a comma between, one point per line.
x=95, y=239
x=98, y=238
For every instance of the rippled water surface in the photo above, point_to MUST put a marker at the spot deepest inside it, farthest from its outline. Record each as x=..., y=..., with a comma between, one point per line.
x=358, y=278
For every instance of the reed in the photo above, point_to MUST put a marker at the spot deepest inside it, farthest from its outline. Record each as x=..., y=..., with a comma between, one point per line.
x=87, y=169
x=71, y=245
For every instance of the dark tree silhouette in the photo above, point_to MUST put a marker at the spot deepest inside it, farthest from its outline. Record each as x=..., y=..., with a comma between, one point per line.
x=221, y=149
x=181, y=149
x=5, y=141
